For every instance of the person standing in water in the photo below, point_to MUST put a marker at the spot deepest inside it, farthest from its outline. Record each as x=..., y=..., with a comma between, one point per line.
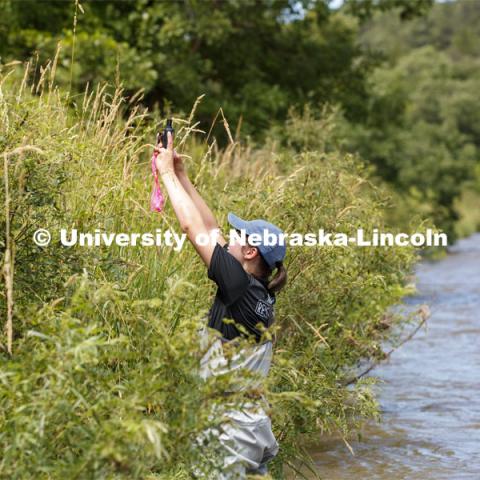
x=246, y=294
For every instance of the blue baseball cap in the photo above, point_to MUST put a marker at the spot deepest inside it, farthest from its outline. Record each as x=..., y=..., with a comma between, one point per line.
x=270, y=253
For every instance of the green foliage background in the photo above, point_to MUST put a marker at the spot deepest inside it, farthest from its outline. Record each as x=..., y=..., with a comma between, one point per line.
x=403, y=73
x=336, y=124
x=103, y=378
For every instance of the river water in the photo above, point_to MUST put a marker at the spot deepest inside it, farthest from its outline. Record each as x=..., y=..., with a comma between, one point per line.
x=430, y=388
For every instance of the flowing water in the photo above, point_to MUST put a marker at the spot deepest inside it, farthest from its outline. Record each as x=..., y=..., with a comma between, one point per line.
x=430, y=388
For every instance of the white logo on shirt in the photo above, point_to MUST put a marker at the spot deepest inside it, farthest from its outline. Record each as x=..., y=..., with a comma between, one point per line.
x=262, y=309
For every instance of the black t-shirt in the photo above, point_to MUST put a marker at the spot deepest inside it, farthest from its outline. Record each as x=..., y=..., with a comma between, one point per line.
x=240, y=296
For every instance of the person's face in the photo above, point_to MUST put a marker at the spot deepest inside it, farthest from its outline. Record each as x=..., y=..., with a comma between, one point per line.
x=241, y=252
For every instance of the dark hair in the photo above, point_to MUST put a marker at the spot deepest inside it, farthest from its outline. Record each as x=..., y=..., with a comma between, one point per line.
x=279, y=280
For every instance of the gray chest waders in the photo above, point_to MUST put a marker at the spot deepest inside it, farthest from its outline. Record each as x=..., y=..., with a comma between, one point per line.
x=247, y=439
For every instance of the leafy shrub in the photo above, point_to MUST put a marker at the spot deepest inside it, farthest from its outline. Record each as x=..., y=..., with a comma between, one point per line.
x=103, y=378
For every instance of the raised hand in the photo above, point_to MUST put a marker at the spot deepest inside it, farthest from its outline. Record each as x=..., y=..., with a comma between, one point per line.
x=164, y=160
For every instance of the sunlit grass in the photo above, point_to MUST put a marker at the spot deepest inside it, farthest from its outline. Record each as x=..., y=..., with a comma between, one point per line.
x=102, y=378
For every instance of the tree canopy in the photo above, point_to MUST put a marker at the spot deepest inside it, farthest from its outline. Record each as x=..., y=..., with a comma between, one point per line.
x=403, y=73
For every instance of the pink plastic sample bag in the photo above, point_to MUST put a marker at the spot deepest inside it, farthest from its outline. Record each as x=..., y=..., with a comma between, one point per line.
x=157, y=201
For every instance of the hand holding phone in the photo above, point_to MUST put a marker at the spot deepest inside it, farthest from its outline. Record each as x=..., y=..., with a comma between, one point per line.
x=162, y=137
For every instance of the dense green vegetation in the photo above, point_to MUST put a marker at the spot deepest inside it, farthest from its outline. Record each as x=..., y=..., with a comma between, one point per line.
x=403, y=73
x=424, y=111
x=252, y=58
x=103, y=378
x=335, y=122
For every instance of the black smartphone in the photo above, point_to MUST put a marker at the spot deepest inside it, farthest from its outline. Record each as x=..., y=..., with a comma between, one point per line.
x=162, y=138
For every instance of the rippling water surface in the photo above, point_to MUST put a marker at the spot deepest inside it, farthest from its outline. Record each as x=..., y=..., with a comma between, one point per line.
x=430, y=388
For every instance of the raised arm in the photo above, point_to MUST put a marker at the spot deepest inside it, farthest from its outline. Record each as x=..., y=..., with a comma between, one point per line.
x=189, y=217
x=207, y=215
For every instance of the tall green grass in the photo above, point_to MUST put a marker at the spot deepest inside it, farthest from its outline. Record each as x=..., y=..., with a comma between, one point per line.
x=101, y=380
